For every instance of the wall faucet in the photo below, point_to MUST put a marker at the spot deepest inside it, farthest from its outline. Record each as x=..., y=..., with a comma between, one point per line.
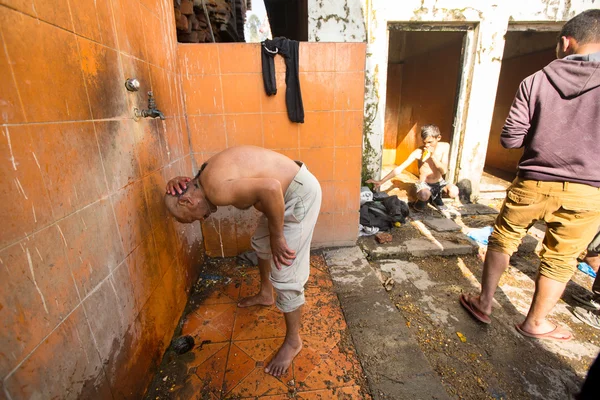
x=152, y=111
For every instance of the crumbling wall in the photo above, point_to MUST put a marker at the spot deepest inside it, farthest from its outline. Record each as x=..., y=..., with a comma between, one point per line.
x=489, y=21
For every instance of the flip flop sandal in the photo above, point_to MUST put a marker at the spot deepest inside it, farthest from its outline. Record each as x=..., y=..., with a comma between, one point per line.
x=548, y=335
x=478, y=315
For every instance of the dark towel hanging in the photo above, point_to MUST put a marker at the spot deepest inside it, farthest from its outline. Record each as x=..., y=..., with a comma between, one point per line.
x=288, y=49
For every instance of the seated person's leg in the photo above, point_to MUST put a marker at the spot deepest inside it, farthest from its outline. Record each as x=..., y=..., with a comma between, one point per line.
x=451, y=190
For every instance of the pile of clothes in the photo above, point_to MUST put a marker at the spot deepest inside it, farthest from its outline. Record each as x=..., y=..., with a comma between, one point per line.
x=379, y=212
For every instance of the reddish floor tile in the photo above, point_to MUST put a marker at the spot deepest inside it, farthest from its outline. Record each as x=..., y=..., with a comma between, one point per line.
x=239, y=366
x=227, y=294
x=203, y=352
x=213, y=322
x=258, y=323
x=258, y=383
x=212, y=372
x=336, y=369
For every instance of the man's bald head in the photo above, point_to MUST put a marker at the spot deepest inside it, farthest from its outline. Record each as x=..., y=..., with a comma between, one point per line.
x=189, y=206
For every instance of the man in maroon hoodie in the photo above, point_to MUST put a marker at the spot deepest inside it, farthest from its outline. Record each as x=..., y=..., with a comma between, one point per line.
x=555, y=117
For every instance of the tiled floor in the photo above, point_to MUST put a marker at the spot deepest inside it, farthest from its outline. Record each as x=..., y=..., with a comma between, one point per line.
x=239, y=342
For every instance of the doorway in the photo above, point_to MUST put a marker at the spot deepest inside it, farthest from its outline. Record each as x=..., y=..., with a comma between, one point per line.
x=428, y=69
x=527, y=49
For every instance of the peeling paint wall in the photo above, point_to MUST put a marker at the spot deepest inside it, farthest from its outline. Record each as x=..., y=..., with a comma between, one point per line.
x=337, y=20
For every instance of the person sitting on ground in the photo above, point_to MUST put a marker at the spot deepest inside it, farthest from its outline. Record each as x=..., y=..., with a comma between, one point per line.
x=289, y=197
x=555, y=118
x=433, y=165
x=590, y=312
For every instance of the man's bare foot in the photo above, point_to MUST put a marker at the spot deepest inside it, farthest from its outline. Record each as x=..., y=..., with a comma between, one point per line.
x=258, y=299
x=282, y=360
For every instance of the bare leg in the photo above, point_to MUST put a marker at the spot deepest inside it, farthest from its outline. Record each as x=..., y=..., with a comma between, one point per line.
x=493, y=267
x=265, y=295
x=291, y=345
x=547, y=293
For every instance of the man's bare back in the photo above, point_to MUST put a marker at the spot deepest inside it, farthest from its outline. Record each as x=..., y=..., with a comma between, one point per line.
x=244, y=163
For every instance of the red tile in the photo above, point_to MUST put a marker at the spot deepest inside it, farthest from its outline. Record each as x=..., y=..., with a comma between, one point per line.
x=239, y=366
x=279, y=131
x=316, y=57
x=154, y=188
x=242, y=93
x=148, y=146
x=276, y=102
x=258, y=383
x=336, y=370
x=317, y=130
x=55, y=14
x=140, y=70
x=245, y=225
x=258, y=323
x=106, y=321
x=66, y=360
x=121, y=281
x=38, y=292
x=132, y=215
x=240, y=58
x=328, y=200
x=203, y=352
x=160, y=40
x=158, y=317
x=144, y=271
x=129, y=21
x=319, y=161
x=203, y=94
x=260, y=350
x=185, y=136
x=31, y=43
x=93, y=245
x=163, y=89
x=207, y=133
x=94, y=20
x=102, y=75
x=212, y=371
x=348, y=128
x=211, y=322
x=293, y=154
x=349, y=91
x=348, y=164
x=11, y=109
x=346, y=226
x=244, y=129
x=198, y=59
x=317, y=90
x=347, y=196
x=324, y=230
x=21, y=176
x=116, y=141
x=71, y=164
x=216, y=231
x=350, y=57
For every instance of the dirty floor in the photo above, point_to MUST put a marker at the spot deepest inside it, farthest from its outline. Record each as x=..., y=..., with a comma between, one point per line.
x=233, y=345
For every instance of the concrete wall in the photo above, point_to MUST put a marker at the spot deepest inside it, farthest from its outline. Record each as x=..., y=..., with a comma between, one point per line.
x=94, y=275
x=227, y=106
x=489, y=19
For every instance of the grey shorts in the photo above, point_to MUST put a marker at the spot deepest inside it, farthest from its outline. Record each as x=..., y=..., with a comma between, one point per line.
x=302, y=206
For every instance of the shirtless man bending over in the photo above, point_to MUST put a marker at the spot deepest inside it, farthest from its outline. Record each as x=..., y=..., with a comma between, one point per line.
x=433, y=165
x=290, y=199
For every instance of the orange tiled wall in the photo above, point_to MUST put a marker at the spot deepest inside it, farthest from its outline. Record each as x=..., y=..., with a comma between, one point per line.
x=227, y=106
x=93, y=275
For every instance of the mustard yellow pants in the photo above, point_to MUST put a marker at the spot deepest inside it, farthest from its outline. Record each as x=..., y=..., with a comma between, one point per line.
x=572, y=215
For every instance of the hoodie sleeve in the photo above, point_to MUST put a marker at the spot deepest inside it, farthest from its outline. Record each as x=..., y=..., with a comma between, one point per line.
x=518, y=121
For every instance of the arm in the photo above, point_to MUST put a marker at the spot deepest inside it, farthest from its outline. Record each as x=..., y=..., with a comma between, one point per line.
x=518, y=122
x=265, y=194
x=398, y=170
x=441, y=164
